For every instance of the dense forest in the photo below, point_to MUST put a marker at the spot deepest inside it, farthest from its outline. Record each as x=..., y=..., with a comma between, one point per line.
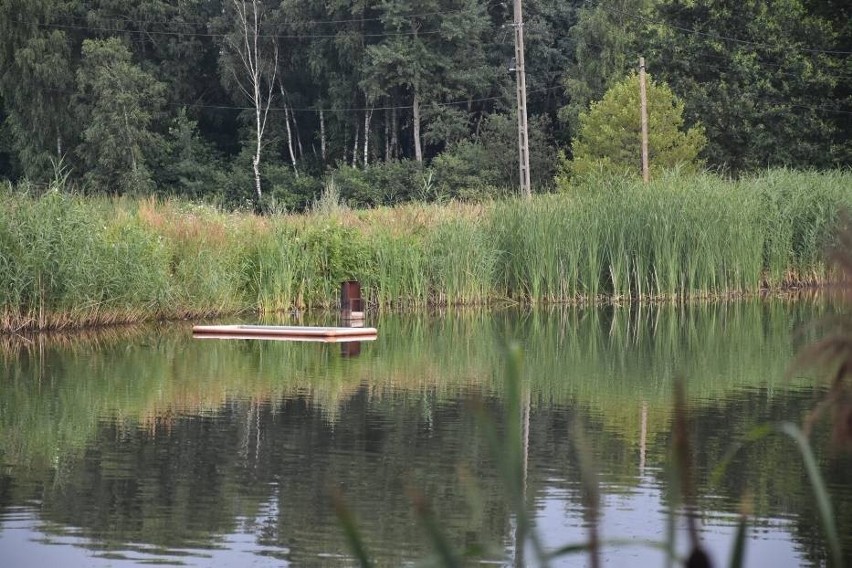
x=250, y=102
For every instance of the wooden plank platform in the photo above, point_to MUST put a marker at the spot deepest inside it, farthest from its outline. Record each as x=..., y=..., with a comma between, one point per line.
x=286, y=333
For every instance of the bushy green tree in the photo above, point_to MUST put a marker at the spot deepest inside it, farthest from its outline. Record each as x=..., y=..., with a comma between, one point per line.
x=37, y=62
x=605, y=47
x=117, y=102
x=609, y=139
x=765, y=77
x=548, y=49
x=190, y=165
x=433, y=53
x=489, y=161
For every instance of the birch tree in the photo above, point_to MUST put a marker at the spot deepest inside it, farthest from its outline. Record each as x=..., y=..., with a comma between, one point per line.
x=251, y=56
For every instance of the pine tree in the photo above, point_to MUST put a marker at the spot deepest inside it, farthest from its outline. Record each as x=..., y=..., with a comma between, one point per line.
x=609, y=139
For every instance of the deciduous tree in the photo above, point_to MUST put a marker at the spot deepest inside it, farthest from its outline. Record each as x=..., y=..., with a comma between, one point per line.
x=759, y=75
x=250, y=62
x=37, y=63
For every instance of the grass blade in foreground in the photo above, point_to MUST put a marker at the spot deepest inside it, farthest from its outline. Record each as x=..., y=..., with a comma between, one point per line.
x=814, y=476
x=350, y=528
x=738, y=553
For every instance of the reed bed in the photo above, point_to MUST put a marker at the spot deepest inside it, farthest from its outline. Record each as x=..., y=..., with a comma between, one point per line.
x=66, y=260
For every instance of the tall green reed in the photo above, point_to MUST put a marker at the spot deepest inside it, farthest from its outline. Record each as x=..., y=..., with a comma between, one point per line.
x=72, y=261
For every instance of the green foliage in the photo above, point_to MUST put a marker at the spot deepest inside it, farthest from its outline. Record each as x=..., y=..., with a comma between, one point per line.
x=446, y=63
x=487, y=164
x=770, y=83
x=304, y=268
x=680, y=237
x=467, y=171
x=549, y=50
x=285, y=191
x=66, y=263
x=192, y=169
x=354, y=187
x=400, y=277
x=769, y=96
x=118, y=102
x=385, y=183
x=37, y=66
x=605, y=38
x=461, y=263
x=609, y=140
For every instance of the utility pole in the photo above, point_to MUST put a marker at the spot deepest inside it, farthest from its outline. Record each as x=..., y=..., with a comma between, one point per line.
x=643, y=109
x=521, y=84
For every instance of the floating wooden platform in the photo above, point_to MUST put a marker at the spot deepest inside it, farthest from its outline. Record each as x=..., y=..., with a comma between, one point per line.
x=285, y=333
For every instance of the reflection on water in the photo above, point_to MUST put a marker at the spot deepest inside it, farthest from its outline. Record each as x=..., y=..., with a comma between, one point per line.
x=142, y=446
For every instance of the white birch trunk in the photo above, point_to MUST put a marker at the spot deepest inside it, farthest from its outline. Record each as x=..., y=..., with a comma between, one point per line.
x=418, y=151
x=250, y=54
x=367, y=116
x=290, y=140
x=355, y=147
x=394, y=133
x=322, y=135
x=298, y=136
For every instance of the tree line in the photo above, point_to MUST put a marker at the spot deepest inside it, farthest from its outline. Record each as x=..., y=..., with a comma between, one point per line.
x=253, y=102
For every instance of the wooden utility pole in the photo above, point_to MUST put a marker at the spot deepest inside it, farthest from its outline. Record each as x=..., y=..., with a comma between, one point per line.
x=521, y=84
x=643, y=104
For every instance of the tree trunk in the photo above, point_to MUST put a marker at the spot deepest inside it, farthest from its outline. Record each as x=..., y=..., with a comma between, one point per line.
x=418, y=151
x=287, y=114
x=322, y=135
x=250, y=52
x=255, y=164
x=387, y=136
x=130, y=145
x=367, y=116
x=290, y=140
x=394, y=133
x=355, y=146
x=257, y=149
x=298, y=136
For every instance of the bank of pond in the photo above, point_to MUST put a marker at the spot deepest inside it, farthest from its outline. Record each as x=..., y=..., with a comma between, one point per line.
x=69, y=260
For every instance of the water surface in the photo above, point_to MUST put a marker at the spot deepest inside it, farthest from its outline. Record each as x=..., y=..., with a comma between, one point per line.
x=138, y=446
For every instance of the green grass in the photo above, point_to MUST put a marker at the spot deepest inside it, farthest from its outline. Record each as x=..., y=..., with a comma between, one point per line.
x=66, y=260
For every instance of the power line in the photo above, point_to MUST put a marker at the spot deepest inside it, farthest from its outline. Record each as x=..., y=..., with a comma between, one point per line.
x=779, y=68
x=219, y=35
x=603, y=6
x=758, y=62
x=775, y=101
x=333, y=109
x=360, y=109
x=823, y=109
x=130, y=20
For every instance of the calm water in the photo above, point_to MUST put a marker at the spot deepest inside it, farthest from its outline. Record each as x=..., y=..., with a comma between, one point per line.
x=148, y=446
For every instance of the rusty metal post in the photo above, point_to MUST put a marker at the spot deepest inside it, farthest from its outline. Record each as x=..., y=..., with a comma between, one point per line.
x=350, y=349
x=351, y=304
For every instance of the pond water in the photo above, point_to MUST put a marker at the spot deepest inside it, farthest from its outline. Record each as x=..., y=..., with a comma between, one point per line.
x=146, y=446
